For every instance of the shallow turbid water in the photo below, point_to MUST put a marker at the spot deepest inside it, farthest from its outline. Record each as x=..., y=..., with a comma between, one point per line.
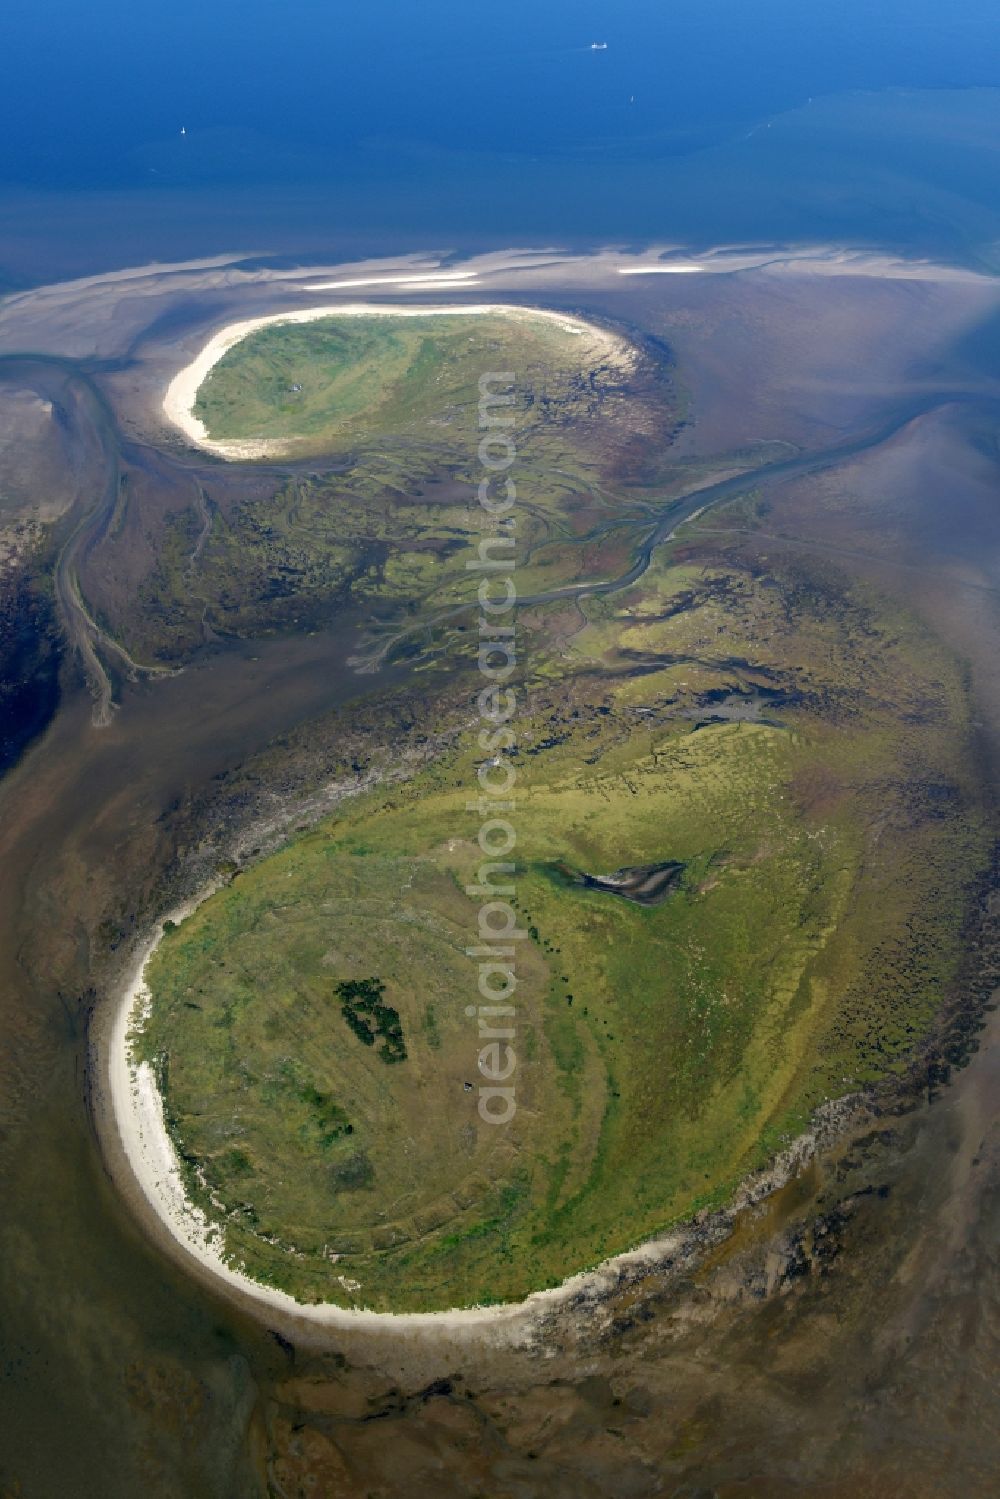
x=909, y=170
x=131, y=133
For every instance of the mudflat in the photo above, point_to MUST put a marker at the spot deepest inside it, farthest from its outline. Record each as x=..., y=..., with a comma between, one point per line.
x=110, y=826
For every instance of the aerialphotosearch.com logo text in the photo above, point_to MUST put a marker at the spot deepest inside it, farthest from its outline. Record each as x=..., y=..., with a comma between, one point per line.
x=498, y=934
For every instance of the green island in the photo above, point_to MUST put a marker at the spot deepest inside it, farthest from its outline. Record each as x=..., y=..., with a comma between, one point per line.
x=748, y=829
x=348, y=381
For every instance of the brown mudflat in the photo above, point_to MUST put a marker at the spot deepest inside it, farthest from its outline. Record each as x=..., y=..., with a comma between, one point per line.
x=839, y=1346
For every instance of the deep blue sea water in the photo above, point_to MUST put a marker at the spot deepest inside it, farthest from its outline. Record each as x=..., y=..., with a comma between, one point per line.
x=92, y=93
x=489, y=121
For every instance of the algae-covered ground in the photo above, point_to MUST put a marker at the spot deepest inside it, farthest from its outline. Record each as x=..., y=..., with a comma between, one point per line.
x=789, y=738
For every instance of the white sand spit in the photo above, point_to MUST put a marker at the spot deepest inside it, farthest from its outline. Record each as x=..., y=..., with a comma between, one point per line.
x=427, y=279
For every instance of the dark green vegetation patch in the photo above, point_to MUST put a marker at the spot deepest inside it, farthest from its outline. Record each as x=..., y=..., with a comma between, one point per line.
x=371, y=1020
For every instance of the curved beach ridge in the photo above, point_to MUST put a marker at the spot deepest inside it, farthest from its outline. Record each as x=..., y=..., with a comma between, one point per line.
x=182, y=392
x=136, y=1109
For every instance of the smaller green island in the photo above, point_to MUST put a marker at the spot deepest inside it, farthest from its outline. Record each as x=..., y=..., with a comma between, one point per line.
x=348, y=450
x=348, y=381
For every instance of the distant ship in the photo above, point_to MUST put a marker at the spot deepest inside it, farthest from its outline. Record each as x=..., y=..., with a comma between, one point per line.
x=598, y=46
